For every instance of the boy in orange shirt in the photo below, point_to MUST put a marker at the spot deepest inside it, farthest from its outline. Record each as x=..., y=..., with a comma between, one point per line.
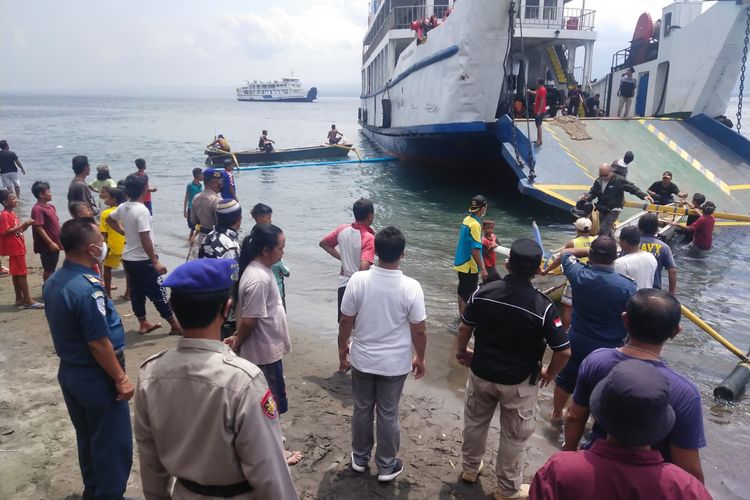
x=13, y=245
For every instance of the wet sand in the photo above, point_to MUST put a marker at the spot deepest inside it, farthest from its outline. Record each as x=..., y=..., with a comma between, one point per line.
x=37, y=441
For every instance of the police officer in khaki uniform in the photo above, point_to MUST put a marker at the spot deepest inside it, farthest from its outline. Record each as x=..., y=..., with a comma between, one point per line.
x=203, y=415
x=512, y=323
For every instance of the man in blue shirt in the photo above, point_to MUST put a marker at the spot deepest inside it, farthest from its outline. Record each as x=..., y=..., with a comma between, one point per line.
x=89, y=339
x=652, y=318
x=599, y=298
x=649, y=226
x=468, y=262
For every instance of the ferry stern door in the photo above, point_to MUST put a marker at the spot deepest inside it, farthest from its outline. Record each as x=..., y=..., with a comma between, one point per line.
x=641, y=94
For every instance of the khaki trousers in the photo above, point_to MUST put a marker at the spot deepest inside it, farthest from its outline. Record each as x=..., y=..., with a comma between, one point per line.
x=517, y=403
x=625, y=102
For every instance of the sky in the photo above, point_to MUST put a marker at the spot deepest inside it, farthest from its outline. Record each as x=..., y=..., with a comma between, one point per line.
x=83, y=45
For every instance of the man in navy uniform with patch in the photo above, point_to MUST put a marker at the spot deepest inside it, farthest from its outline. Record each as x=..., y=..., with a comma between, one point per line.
x=89, y=338
x=203, y=415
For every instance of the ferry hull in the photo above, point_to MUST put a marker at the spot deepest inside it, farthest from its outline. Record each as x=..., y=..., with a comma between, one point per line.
x=288, y=99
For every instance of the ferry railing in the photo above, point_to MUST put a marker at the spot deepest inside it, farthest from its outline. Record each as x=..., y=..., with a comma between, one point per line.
x=399, y=17
x=564, y=18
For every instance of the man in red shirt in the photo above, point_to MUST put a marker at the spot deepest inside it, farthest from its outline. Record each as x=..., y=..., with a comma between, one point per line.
x=703, y=228
x=632, y=405
x=140, y=164
x=540, y=108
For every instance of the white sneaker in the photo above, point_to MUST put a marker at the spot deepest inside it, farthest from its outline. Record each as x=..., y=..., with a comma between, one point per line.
x=355, y=467
x=387, y=478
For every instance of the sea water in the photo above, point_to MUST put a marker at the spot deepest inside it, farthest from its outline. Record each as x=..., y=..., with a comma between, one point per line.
x=171, y=133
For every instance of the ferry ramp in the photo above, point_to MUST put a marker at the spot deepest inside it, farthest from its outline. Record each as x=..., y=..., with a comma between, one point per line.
x=566, y=167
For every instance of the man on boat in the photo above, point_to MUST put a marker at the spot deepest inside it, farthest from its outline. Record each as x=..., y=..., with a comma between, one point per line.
x=540, y=108
x=264, y=143
x=620, y=167
x=513, y=324
x=592, y=106
x=662, y=191
x=468, y=262
x=633, y=408
x=649, y=227
x=334, y=136
x=574, y=99
x=220, y=143
x=626, y=92
x=609, y=192
x=652, y=317
x=634, y=262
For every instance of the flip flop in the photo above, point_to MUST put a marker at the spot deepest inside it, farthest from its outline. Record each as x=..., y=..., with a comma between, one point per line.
x=175, y=332
x=35, y=305
x=4, y=270
x=292, y=457
x=149, y=329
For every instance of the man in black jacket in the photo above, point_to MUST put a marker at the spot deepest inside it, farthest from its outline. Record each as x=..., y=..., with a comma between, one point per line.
x=609, y=192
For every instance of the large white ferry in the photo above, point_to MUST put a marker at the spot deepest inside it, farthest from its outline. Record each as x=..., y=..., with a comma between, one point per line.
x=288, y=89
x=440, y=77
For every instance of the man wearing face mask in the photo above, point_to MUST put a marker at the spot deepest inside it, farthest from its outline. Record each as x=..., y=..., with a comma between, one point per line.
x=609, y=192
x=205, y=203
x=89, y=339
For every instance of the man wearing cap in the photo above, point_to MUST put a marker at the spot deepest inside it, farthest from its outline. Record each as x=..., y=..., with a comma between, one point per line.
x=89, y=339
x=228, y=189
x=632, y=407
x=583, y=239
x=204, y=205
x=625, y=92
x=600, y=297
x=634, y=262
x=468, y=261
x=512, y=323
x=222, y=242
x=652, y=318
x=609, y=192
x=662, y=191
x=620, y=167
x=649, y=227
x=229, y=444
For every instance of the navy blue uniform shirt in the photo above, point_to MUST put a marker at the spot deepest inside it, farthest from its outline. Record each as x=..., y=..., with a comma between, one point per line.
x=78, y=312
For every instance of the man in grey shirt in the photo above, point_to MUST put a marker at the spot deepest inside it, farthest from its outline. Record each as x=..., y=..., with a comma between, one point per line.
x=79, y=190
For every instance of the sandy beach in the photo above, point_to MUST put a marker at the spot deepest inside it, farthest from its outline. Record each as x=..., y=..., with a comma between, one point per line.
x=37, y=442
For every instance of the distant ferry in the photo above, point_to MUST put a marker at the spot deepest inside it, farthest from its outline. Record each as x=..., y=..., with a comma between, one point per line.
x=288, y=89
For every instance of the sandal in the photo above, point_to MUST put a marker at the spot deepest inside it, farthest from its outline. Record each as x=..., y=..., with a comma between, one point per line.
x=33, y=305
x=4, y=270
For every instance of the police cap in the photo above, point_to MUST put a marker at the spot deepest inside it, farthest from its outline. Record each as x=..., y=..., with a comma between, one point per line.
x=211, y=173
x=525, y=256
x=203, y=275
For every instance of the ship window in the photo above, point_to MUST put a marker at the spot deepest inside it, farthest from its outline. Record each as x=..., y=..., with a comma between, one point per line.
x=532, y=9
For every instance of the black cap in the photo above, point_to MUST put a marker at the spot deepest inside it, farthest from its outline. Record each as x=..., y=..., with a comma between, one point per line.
x=525, y=256
x=477, y=203
x=604, y=248
x=632, y=403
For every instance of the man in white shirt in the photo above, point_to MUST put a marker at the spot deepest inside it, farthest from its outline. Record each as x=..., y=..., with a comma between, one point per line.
x=635, y=263
x=390, y=317
x=133, y=220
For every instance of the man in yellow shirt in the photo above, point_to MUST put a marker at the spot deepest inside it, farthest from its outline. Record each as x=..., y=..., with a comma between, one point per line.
x=220, y=143
x=468, y=261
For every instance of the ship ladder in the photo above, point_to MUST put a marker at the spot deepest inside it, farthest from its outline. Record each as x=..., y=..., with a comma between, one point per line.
x=560, y=73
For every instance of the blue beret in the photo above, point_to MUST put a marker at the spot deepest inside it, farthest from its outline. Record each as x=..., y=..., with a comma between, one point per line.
x=211, y=173
x=203, y=275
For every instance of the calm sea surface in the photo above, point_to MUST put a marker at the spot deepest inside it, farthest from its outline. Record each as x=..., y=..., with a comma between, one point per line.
x=170, y=134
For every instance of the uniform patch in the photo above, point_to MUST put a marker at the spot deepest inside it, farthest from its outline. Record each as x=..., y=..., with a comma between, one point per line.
x=268, y=405
x=101, y=305
x=558, y=323
x=94, y=280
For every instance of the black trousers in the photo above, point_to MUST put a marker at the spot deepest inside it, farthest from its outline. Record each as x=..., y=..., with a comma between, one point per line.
x=146, y=282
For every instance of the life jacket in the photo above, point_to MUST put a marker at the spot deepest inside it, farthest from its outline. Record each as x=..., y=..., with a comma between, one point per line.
x=583, y=242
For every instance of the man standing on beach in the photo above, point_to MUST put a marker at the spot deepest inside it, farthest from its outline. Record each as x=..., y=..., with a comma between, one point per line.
x=79, y=189
x=9, y=167
x=140, y=164
x=133, y=220
x=203, y=212
x=652, y=317
x=609, y=192
x=468, y=261
x=89, y=339
x=512, y=323
x=212, y=453
x=353, y=244
x=390, y=317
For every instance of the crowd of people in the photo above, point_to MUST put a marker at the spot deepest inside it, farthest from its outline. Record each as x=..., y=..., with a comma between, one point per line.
x=228, y=310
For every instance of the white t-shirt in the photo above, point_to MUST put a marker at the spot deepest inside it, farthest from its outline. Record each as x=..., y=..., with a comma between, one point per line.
x=135, y=219
x=258, y=297
x=385, y=303
x=640, y=266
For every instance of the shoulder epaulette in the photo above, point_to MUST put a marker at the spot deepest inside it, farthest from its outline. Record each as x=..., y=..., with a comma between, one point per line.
x=150, y=358
x=232, y=359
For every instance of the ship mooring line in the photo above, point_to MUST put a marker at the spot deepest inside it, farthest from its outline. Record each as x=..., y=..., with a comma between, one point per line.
x=695, y=163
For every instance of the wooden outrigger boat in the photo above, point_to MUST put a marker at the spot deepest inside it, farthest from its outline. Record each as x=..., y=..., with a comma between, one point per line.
x=217, y=156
